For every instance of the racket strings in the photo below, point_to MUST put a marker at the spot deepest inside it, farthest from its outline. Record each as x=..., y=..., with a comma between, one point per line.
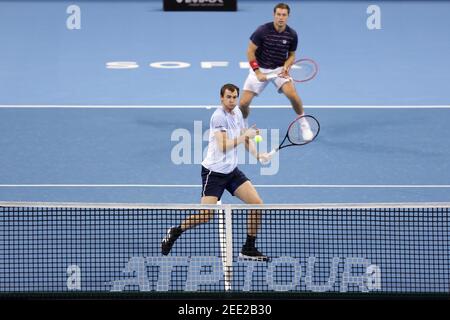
x=303, y=70
x=303, y=130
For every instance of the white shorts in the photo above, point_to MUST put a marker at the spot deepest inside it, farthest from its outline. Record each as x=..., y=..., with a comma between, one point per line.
x=254, y=85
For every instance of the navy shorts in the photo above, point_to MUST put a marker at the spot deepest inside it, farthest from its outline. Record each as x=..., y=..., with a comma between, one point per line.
x=215, y=183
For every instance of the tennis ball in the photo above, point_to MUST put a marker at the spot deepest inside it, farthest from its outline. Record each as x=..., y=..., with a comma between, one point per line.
x=258, y=138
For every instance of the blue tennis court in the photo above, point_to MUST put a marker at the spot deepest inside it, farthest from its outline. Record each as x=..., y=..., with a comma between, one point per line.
x=75, y=129
x=104, y=119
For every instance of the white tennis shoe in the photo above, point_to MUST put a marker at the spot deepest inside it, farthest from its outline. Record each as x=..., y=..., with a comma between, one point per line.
x=306, y=131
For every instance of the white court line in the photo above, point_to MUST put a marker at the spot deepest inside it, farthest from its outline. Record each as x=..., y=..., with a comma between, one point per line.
x=215, y=106
x=337, y=186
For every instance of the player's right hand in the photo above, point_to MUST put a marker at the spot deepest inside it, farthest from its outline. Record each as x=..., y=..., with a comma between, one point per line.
x=260, y=76
x=264, y=158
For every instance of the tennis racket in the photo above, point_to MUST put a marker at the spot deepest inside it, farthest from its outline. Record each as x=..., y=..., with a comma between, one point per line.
x=301, y=131
x=301, y=71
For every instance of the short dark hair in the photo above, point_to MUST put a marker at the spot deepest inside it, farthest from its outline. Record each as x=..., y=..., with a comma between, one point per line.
x=282, y=6
x=229, y=86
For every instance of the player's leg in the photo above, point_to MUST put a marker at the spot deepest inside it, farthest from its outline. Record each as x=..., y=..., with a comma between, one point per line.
x=212, y=190
x=288, y=88
x=202, y=217
x=252, y=87
x=244, y=102
x=248, y=194
x=213, y=186
x=190, y=222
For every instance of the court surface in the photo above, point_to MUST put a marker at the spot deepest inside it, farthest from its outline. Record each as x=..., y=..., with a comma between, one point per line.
x=72, y=129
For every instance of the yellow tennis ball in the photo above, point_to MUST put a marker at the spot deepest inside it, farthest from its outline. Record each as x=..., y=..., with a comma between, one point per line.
x=258, y=138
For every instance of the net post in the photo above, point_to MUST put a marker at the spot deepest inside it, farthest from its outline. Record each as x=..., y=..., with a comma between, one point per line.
x=226, y=243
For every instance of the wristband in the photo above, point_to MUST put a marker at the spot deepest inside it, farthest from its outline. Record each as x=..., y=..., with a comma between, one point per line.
x=254, y=65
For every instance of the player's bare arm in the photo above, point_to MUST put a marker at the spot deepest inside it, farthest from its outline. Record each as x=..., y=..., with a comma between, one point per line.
x=226, y=144
x=251, y=56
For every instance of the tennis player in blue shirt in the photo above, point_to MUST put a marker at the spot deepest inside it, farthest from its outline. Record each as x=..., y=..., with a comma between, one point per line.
x=272, y=50
x=220, y=172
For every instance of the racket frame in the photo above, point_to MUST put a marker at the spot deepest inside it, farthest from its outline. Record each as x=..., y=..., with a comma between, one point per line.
x=281, y=146
x=272, y=75
x=316, y=69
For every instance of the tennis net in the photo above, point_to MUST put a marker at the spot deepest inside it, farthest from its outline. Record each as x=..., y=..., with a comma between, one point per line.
x=346, y=248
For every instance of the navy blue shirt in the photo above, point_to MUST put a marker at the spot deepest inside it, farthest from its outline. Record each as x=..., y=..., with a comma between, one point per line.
x=273, y=46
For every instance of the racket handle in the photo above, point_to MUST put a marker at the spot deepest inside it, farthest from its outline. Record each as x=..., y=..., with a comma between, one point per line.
x=271, y=76
x=271, y=153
